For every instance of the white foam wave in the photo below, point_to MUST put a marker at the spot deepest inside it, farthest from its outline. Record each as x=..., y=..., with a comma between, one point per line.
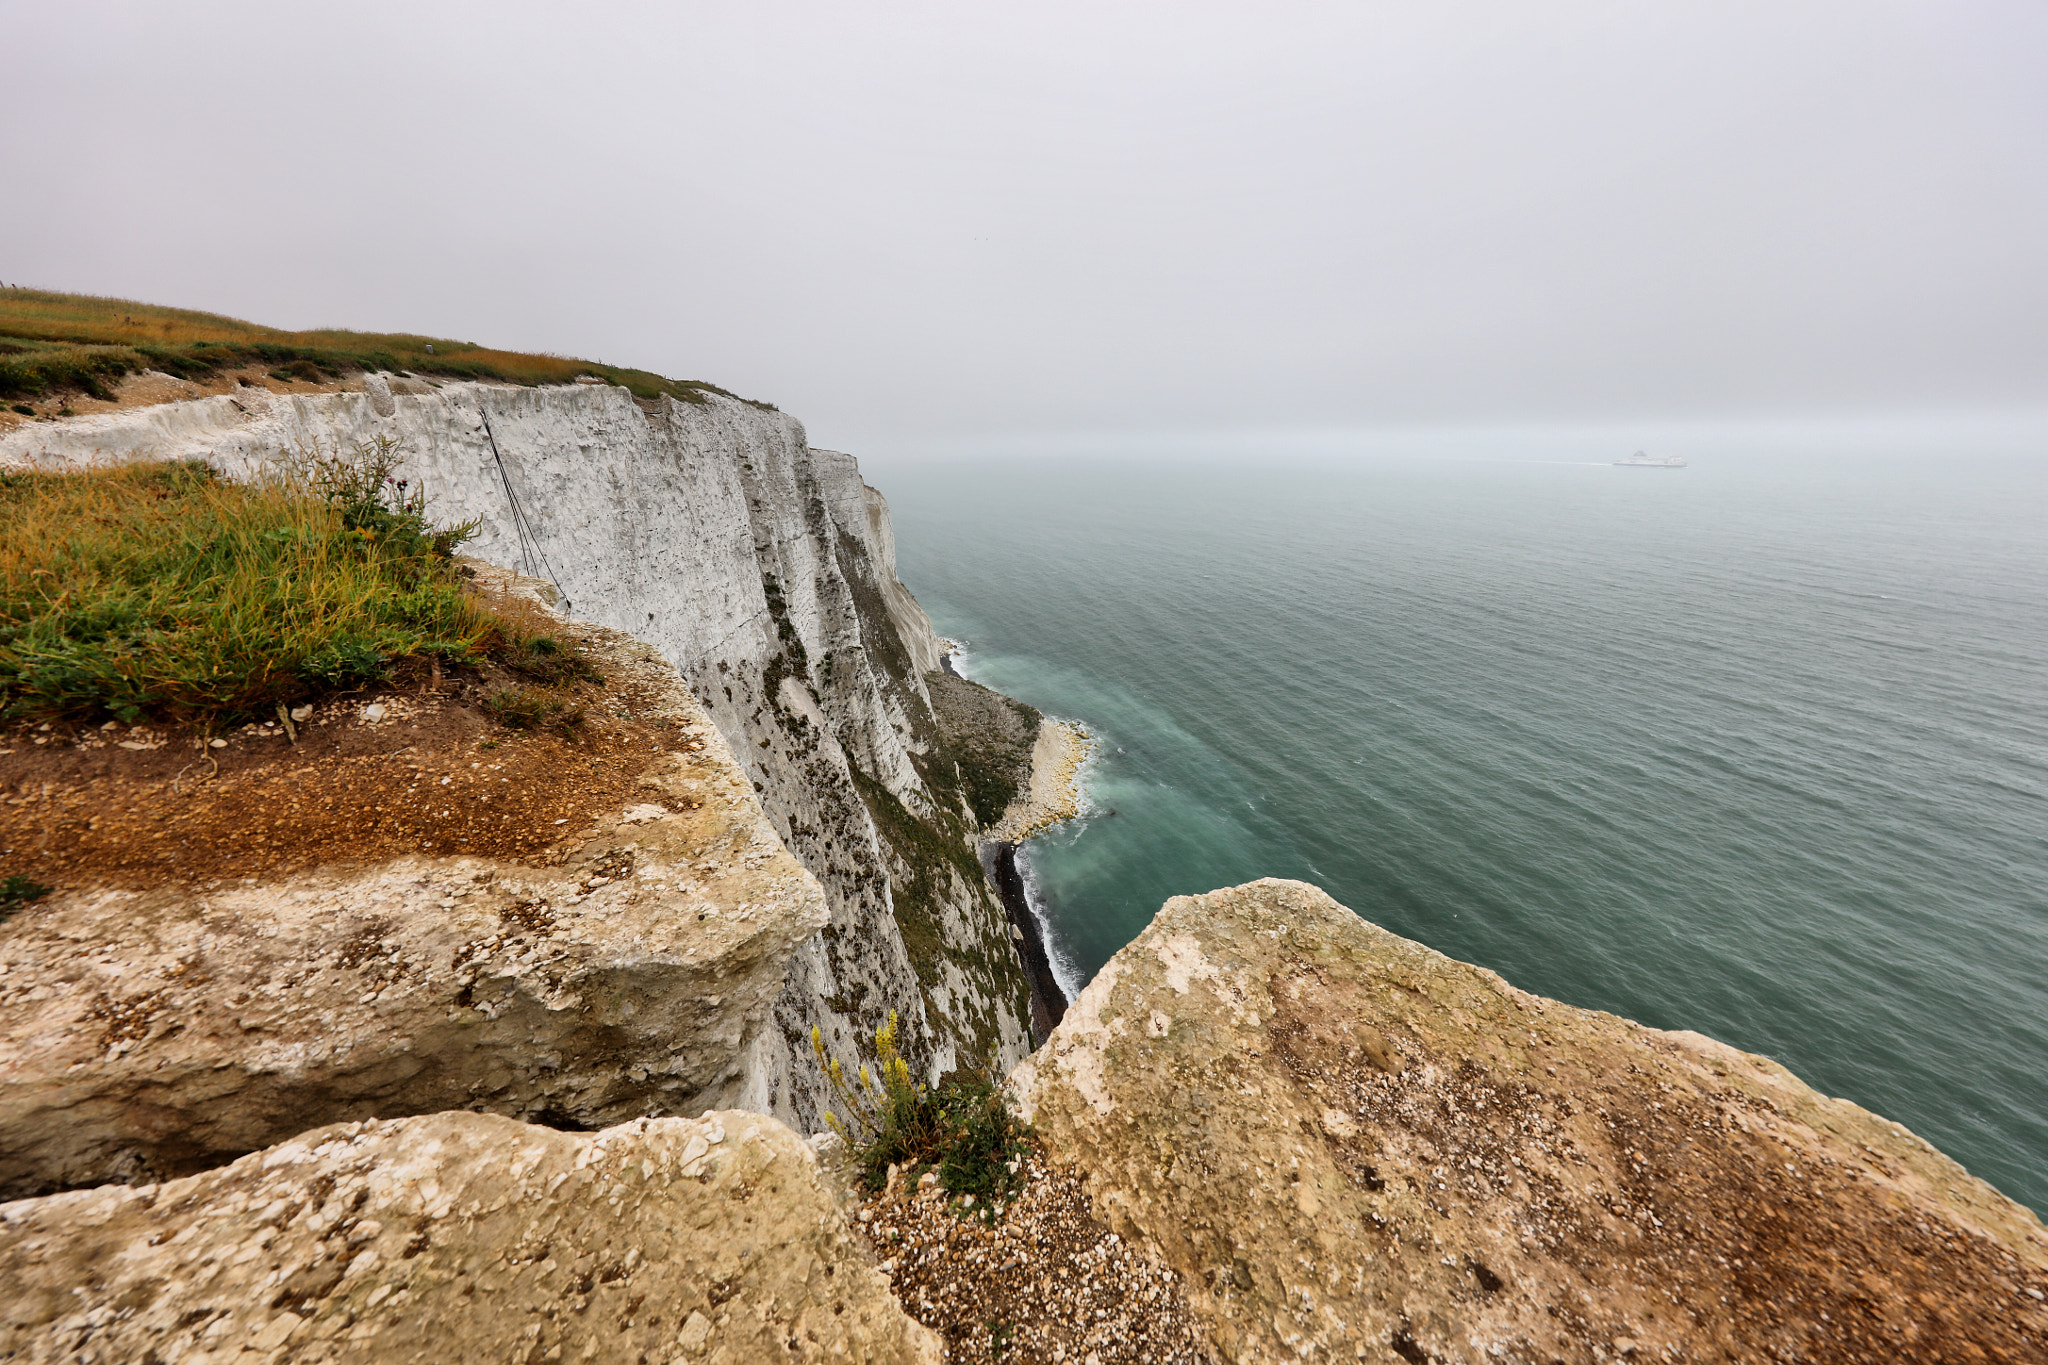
x=1065, y=969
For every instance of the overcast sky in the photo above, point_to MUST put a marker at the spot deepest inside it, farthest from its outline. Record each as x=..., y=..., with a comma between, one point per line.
x=906, y=223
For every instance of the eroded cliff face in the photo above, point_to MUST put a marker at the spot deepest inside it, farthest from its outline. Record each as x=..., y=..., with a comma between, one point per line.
x=1353, y=1147
x=763, y=570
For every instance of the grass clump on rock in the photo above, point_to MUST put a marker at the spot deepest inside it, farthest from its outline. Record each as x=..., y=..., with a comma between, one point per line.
x=533, y=708
x=965, y=1130
x=163, y=591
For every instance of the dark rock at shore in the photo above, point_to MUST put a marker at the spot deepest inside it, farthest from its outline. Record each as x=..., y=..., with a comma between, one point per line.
x=1048, y=1001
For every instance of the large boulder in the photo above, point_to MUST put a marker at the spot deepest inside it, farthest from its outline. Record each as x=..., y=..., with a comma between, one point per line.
x=1355, y=1147
x=459, y=1237
x=153, y=1024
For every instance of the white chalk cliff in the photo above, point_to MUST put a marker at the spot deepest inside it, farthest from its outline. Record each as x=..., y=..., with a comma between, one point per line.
x=764, y=571
x=233, y=1109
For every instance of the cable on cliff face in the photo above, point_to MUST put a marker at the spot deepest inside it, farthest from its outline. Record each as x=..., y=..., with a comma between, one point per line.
x=533, y=560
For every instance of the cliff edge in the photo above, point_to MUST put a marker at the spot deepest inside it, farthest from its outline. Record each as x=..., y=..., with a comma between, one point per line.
x=400, y=908
x=763, y=571
x=1353, y=1147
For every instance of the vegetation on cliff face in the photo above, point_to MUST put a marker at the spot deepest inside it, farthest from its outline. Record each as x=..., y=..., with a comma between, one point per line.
x=160, y=590
x=952, y=927
x=989, y=737
x=963, y=1129
x=51, y=342
x=17, y=891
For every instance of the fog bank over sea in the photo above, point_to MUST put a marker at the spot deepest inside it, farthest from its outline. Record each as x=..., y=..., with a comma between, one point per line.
x=1756, y=747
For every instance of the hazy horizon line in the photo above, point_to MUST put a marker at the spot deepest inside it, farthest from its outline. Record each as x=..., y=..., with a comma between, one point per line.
x=2001, y=430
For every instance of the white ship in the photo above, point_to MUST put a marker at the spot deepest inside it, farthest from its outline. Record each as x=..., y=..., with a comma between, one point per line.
x=1642, y=461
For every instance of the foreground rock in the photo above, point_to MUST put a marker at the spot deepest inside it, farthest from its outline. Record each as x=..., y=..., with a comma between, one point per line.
x=150, y=1027
x=1354, y=1147
x=459, y=1237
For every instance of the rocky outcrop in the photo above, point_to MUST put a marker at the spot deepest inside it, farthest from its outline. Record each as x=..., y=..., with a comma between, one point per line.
x=1354, y=1147
x=764, y=571
x=460, y=1237
x=154, y=1026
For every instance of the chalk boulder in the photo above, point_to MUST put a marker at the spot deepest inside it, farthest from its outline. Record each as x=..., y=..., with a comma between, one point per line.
x=460, y=1237
x=1355, y=1147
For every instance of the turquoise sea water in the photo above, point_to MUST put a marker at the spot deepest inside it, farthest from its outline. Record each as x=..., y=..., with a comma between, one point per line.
x=1758, y=748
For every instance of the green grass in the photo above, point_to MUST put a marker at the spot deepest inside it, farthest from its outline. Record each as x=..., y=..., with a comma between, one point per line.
x=160, y=591
x=51, y=342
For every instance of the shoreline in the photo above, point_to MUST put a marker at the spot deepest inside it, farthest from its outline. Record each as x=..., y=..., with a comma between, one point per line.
x=1048, y=1001
x=1053, y=794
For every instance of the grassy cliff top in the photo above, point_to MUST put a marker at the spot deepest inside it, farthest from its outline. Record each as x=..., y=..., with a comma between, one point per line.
x=51, y=341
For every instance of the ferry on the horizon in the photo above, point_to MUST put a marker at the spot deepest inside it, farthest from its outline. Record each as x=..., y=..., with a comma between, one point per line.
x=1641, y=461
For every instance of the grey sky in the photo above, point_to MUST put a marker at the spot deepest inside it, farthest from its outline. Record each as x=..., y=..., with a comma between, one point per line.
x=905, y=222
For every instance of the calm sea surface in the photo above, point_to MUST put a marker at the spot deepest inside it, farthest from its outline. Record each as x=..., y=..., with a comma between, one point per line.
x=1758, y=747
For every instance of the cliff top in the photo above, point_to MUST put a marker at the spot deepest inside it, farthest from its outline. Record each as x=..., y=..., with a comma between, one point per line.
x=64, y=354
x=476, y=762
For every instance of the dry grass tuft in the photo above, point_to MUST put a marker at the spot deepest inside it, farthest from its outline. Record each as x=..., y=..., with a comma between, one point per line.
x=161, y=591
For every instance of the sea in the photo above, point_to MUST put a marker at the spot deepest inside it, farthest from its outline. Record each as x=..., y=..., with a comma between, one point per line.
x=1757, y=747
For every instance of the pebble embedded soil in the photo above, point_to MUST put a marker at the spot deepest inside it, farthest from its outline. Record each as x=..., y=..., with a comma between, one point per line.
x=1041, y=1281
x=366, y=776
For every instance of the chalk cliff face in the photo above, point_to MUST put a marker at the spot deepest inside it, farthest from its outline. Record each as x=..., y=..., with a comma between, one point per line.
x=764, y=571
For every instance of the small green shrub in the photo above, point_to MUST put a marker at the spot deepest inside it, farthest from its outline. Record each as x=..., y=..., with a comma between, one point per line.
x=362, y=484
x=965, y=1130
x=532, y=708
x=17, y=891
x=546, y=659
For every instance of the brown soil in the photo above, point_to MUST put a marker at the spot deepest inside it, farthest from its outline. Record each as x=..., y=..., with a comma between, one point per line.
x=140, y=806
x=1044, y=1281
